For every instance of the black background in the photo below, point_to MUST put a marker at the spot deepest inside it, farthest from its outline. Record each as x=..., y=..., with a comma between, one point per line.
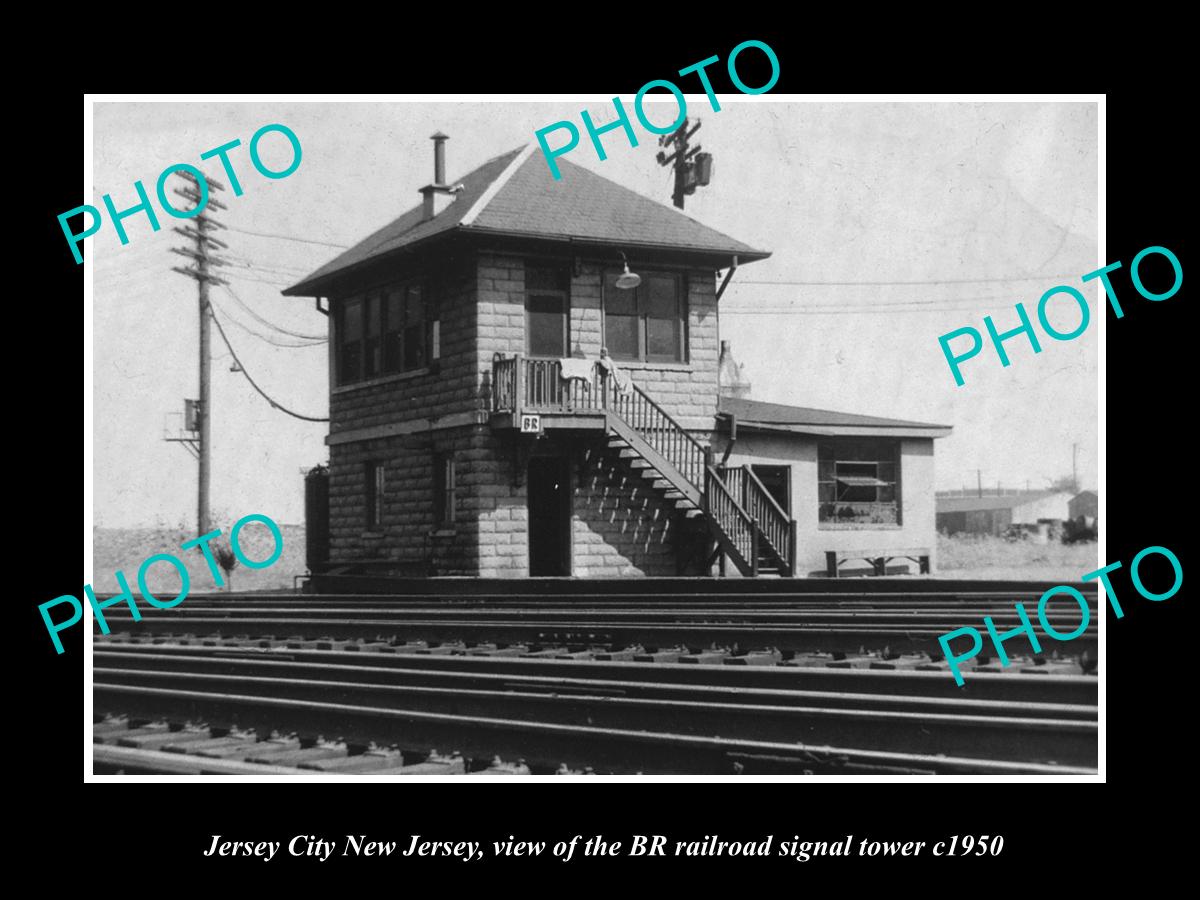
x=130, y=827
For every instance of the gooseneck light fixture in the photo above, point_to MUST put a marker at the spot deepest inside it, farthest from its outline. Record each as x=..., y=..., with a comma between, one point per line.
x=627, y=280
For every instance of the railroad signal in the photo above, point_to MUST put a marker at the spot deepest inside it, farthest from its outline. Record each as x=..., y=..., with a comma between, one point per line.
x=693, y=168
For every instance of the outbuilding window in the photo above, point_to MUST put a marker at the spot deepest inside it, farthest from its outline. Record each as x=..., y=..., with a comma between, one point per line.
x=858, y=482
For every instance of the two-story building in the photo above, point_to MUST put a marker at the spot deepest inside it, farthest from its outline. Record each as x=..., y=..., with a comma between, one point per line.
x=524, y=381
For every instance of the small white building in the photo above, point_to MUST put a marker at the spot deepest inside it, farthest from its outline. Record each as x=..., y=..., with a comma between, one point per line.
x=860, y=487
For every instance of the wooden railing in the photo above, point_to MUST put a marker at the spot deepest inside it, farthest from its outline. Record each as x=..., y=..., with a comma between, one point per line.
x=740, y=530
x=734, y=499
x=536, y=385
x=778, y=529
x=540, y=387
x=504, y=383
x=659, y=430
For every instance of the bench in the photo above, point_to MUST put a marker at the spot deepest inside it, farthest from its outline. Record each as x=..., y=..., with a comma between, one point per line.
x=877, y=558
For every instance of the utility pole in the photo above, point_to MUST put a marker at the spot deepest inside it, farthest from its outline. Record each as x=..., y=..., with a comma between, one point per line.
x=979, y=481
x=690, y=172
x=201, y=427
x=1074, y=469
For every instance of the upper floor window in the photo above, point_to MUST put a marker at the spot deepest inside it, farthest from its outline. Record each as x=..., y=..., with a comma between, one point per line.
x=384, y=331
x=858, y=482
x=648, y=322
x=547, y=309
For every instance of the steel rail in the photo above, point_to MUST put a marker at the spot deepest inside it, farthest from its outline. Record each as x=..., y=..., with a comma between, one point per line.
x=582, y=743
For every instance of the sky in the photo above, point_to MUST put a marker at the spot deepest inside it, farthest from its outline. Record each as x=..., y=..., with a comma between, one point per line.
x=889, y=224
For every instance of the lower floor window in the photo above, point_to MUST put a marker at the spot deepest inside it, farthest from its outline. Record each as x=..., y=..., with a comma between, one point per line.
x=444, y=489
x=858, y=482
x=375, y=486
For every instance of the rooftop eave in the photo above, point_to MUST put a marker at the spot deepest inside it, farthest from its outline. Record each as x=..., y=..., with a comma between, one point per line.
x=894, y=431
x=718, y=257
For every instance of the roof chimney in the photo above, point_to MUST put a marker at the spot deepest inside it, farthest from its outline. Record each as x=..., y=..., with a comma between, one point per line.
x=439, y=157
x=438, y=195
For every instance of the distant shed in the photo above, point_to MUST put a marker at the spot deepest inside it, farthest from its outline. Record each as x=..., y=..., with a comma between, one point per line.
x=993, y=515
x=1085, y=503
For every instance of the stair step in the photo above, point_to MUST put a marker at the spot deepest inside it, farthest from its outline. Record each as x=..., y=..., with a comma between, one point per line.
x=694, y=513
x=661, y=484
x=637, y=462
x=684, y=504
x=617, y=442
x=630, y=453
x=674, y=495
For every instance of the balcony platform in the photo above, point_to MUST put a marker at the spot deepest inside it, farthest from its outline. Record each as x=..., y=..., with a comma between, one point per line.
x=551, y=419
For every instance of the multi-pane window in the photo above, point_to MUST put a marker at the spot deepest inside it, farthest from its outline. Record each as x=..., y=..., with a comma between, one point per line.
x=858, y=482
x=372, y=325
x=444, y=489
x=647, y=322
x=375, y=486
x=547, y=307
x=350, y=334
x=386, y=331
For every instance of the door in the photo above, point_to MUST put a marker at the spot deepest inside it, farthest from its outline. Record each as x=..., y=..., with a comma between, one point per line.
x=549, y=516
x=778, y=482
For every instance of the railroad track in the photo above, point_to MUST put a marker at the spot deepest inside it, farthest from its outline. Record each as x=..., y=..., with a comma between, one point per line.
x=555, y=683
x=810, y=624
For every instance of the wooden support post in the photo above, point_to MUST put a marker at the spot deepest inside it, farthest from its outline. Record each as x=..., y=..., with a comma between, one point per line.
x=518, y=387
x=754, y=548
x=792, y=564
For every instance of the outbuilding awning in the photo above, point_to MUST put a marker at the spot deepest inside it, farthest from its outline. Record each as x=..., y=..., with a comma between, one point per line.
x=862, y=481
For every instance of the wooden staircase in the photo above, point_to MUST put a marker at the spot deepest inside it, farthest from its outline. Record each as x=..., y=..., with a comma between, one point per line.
x=744, y=521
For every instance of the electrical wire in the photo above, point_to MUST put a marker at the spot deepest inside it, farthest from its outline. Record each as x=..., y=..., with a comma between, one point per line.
x=267, y=281
x=890, y=283
x=277, y=268
x=265, y=337
x=319, y=338
x=286, y=237
x=253, y=384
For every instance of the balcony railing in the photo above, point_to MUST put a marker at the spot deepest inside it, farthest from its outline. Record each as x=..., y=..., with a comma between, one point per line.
x=746, y=519
x=522, y=385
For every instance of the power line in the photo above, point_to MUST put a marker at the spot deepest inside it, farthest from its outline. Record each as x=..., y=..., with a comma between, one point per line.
x=842, y=312
x=944, y=304
x=287, y=237
x=890, y=283
x=253, y=384
x=286, y=272
x=238, y=259
x=937, y=301
x=268, y=281
x=308, y=337
x=268, y=338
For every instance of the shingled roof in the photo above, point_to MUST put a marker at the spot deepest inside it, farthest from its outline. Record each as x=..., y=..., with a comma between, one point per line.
x=755, y=414
x=514, y=195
